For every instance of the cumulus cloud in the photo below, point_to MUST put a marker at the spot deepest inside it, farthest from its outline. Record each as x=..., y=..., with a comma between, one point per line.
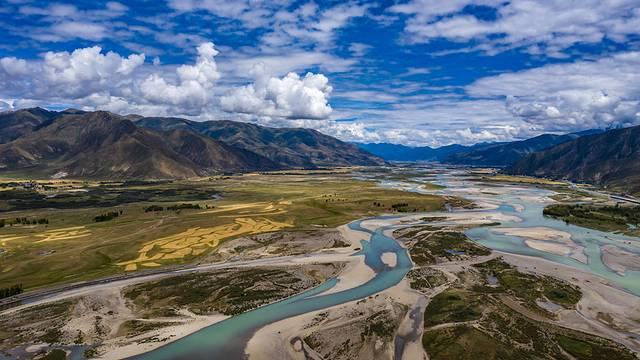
x=575, y=96
x=435, y=122
x=82, y=72
x=547, y=26
x=89, y=78
x=193, y=86
x=14, y=66
x=291, y=96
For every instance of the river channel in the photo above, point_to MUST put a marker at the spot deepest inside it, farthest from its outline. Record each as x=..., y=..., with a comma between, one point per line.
x=521, y=204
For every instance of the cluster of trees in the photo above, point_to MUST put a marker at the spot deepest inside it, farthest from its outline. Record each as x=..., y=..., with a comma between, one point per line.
x=23, y=221
x=11, y=291
x=154, y=208
x=107, y=216
x=630, y=213
x=398, y=206
x=184, y=206
x=378, y=204
x=621, y=215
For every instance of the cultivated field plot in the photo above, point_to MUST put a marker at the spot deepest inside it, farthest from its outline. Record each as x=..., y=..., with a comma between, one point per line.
x=65, y=231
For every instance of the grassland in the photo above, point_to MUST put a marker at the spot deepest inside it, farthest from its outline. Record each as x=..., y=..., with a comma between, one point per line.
x=505, y=334
x=141, y=312
x=424, y=278
x=472, y=320
x=605, y=218
x=229, y=292
x=528, y=288
x=454, y=306
x=428, y=244
x=72, y=246
x=522, y=180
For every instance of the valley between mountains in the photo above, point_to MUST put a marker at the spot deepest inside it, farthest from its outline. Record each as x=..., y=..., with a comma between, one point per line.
x=409, y=262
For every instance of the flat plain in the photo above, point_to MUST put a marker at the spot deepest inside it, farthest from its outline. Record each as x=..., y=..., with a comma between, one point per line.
x=161, y=223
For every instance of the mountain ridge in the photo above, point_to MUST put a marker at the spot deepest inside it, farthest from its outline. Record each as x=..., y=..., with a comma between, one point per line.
x=101, y=144
x=610, y=159
x=295, y=147
x=499, y=154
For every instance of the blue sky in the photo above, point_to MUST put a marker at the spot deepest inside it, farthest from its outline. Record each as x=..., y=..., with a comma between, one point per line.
x=414, y=72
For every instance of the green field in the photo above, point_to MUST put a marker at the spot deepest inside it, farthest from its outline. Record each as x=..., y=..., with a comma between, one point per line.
x=471, y=320
x=430, y=243
x=453, y=306
x=605, y=218
x=72, y=246
x=528, y=288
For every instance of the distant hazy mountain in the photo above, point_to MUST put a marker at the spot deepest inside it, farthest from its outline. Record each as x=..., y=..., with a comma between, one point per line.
x=483, y=154
x=396, y=152
x=290, y=147
x=504, y=154
x=611, y=159
x=104, y=145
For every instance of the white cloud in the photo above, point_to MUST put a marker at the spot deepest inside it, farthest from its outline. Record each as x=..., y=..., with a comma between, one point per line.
x=574, y=96
x=289, y=97
x=63, y=22
x=252, y=13
x=548, y=26
x=81, y=72
x=414, y=120
x=286, y=24
x=79, y=29
x=90, y=79
x=4, y=106
x=13, y=66
x=193, y=86
x=359, y=49
x=53, y=10
x=241, y=64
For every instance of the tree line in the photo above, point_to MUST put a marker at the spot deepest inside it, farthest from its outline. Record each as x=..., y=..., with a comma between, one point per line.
x=154, y=208
x=11, y=291
x=107, y=216
x=23, y=221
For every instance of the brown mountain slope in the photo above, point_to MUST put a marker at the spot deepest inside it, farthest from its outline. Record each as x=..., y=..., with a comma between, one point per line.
x=209, y=153
x=610, y=159
x=104, y=145
x=291, y=147
x=14, y=124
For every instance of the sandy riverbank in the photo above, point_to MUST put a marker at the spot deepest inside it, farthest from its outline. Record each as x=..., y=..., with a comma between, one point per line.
x=548, y=240
x=604, y=310
x=334, y=325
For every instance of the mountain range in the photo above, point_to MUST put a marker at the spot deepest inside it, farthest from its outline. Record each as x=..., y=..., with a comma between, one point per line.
x=397, y=152
x=506, y=153
x=104, y=145
x=610, y=159
x=499, y=154
x=289, y=147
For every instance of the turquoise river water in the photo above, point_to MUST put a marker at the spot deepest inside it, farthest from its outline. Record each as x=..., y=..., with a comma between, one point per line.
x=227, y=339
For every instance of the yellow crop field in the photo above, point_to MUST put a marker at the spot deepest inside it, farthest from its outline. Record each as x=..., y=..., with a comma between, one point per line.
x=63, y=234
x=195, y=241
x=154, y=229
